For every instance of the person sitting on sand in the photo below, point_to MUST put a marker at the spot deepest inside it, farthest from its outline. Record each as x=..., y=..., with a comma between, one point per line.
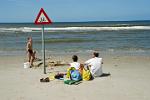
x=95, y=65
x=30, y=52
x=75, y=63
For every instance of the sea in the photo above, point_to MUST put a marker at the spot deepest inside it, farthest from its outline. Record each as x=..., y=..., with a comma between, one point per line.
x=106, y=37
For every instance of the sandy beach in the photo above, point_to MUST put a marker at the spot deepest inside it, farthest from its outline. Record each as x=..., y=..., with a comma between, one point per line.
x=129, y=80
x=41, y=39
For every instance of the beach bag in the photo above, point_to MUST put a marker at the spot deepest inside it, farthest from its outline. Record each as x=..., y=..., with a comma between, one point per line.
x=86, y=74
x=68, y=72
x=75, y=75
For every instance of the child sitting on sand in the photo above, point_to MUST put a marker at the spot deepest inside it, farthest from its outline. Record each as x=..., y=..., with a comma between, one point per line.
x=75, y=63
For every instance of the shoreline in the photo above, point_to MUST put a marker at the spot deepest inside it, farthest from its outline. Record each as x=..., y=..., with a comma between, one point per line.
x=103, y=53
x=67, y=58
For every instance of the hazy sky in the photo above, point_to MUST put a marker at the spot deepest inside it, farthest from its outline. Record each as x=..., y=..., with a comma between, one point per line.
x=75, y=10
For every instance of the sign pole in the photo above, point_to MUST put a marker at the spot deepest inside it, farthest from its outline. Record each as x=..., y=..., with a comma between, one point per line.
x=43, y=49
x=43, y=19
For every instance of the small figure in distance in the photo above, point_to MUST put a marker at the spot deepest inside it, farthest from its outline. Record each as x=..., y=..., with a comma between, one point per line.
x=30, y=52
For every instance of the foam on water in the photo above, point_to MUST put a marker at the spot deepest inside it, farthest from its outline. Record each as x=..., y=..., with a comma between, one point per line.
x=33, y=29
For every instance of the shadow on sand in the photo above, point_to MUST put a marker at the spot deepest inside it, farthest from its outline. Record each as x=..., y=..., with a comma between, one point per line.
x=105, y=75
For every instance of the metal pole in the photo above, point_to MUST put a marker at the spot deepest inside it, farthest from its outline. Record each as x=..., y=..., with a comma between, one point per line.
x=43, y=49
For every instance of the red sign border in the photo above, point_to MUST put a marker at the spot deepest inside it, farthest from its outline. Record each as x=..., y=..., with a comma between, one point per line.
x=41, y=23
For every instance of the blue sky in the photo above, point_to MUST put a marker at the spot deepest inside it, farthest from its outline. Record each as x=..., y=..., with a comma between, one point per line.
x=75, y=10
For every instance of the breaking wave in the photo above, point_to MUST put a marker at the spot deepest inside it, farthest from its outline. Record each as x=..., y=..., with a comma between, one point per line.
x=55, y=29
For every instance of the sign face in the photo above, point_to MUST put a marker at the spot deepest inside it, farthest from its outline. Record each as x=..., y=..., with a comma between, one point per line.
x=42, y=18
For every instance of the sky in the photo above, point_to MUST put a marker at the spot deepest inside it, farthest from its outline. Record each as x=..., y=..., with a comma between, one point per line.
x=75, y=10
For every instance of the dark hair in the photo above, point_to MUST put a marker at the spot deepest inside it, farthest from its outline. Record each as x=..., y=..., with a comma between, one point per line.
x=75, y=58
x=29, y=38
x=96, y=54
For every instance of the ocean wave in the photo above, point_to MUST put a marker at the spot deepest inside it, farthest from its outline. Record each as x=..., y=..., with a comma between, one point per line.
x=33, y=29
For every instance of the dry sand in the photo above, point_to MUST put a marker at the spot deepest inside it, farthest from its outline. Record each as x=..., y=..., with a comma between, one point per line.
x=129, y=80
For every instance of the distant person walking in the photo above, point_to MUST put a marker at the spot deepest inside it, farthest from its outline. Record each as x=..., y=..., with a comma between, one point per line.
x=30, y=52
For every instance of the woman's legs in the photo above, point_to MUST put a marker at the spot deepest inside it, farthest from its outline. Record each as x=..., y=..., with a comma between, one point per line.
x=32, y=58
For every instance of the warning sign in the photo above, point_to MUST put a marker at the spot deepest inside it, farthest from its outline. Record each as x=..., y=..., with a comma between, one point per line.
x=42, y=18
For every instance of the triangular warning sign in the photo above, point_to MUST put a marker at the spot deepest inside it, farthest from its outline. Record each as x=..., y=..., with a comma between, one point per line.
x=42, y=18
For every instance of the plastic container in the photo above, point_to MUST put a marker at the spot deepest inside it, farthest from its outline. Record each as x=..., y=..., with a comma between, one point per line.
x=26, y=65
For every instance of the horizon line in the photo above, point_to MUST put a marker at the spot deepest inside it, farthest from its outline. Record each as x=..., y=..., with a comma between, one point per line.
x=76, y=21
